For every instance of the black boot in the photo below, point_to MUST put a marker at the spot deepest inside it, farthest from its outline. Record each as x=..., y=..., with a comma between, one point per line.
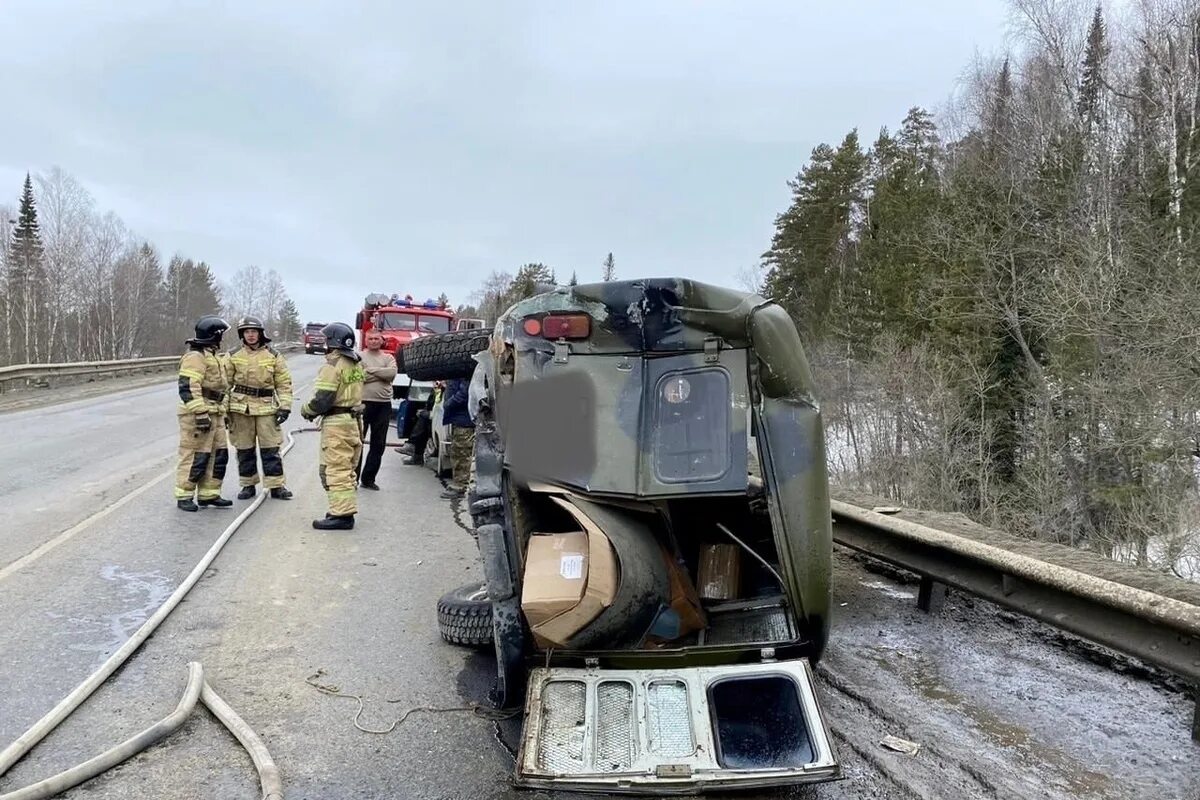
x=370, y=485
x=217, y=502
x=413, y=461
x=187, y=505
x=246, y=493
x=281, y=493
x=331, y=523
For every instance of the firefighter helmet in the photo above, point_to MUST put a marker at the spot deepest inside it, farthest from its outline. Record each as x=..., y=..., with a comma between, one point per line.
x=253, y=323
x=340, y=336
x=209, y=330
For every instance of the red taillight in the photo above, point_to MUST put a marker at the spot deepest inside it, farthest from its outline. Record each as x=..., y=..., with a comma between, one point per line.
x=533, y=326
x=567, y=326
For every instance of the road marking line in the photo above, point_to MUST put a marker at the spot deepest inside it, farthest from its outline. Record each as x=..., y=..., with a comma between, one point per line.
x=71, y=532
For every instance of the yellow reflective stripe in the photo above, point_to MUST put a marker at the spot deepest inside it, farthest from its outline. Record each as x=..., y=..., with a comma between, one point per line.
x=341, y=420
x=194, y=405
x=187, y=373
x=341, y=494
x=326, y=386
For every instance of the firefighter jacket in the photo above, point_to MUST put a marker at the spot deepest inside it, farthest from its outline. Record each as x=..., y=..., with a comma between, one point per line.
x=203, y=382
x=338, y=389
x=260, y=382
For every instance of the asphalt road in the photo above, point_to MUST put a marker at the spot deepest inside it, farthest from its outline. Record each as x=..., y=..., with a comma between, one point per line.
x=1002, y=707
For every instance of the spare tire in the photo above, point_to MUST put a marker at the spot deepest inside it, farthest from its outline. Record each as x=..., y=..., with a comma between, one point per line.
x=465, y=616
x=643, y=588
x=444, y=356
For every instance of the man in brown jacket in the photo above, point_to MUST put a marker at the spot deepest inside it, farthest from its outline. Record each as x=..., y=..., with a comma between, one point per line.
x=380, y=369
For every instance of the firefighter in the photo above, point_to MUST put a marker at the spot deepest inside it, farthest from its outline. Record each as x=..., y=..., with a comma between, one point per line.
x=260, y=401
x=203, y=447
x=337, y=399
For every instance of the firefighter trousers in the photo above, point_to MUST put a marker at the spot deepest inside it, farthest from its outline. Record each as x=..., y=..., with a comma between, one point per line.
x=249, y=433
x=203, y=457
x=462, y=456
x=341, y=449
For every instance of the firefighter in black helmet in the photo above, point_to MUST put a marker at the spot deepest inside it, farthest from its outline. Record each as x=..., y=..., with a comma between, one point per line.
x=337, y=399
x=260, y=400
x=203, y=447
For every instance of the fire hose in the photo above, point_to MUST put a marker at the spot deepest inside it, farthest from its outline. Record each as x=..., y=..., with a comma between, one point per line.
x=197, y=689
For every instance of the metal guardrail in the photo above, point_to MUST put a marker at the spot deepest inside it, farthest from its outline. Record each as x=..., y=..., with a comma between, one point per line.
x=1156, y=629
x=26, y=373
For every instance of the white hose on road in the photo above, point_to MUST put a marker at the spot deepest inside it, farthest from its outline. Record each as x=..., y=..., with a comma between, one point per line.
x=197, y=689
x=42, y=728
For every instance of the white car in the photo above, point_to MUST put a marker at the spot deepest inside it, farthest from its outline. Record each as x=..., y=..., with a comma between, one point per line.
x=437, y=452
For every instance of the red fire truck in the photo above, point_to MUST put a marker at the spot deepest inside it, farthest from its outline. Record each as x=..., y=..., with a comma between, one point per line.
x=400, y=320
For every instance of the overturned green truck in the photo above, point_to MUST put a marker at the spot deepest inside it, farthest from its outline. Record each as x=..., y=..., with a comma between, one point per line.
x=651, y=509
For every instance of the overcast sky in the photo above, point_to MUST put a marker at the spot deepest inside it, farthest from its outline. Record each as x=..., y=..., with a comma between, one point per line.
x=360, y=147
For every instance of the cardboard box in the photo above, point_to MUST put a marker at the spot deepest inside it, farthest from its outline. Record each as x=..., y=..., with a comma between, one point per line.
x=570, y=578
x=720, y=571
x=556, y=569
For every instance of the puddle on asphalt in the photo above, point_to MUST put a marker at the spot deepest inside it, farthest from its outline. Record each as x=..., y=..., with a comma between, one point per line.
x=923, y=676
x=140, y=594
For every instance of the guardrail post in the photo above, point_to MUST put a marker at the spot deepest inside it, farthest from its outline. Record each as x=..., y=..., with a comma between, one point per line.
x=931, y=596
x=1196, y=713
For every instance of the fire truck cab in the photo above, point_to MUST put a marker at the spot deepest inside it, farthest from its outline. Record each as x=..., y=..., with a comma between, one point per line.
x=400, y=320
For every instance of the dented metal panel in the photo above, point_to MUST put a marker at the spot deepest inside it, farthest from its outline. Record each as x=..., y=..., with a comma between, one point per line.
x=674, y=747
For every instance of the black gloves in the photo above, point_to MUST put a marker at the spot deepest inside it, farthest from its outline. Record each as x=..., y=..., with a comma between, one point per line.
x=203, y=423
x=281, y=415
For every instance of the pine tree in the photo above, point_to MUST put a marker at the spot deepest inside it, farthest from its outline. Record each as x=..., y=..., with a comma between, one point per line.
x=526, y=281
x=811, y=258
x=894, y=271
x=443, y=300
x=190, y=291
x=26, y=277
x=998, y=127
x=469, y=311
x=1091, y=86
x=574, y=279
x=289, y=321
x=608, y=269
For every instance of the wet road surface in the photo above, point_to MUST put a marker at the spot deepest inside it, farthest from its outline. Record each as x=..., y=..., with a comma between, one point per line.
x=1002, y=707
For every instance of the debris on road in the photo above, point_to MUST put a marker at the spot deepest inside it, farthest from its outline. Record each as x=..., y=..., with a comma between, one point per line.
x=900, y=745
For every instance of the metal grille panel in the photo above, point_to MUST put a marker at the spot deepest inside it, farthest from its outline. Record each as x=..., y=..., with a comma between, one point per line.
x=563, y=726
x=760, y=625
x=614, y=726
x=668, y=719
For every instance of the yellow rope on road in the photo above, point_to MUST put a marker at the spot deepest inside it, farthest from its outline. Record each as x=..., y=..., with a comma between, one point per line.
x=335, y=691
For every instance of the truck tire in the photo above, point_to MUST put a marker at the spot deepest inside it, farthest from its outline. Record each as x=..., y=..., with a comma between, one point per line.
x=465, y=616
x=444, y=357
x=644, y=586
